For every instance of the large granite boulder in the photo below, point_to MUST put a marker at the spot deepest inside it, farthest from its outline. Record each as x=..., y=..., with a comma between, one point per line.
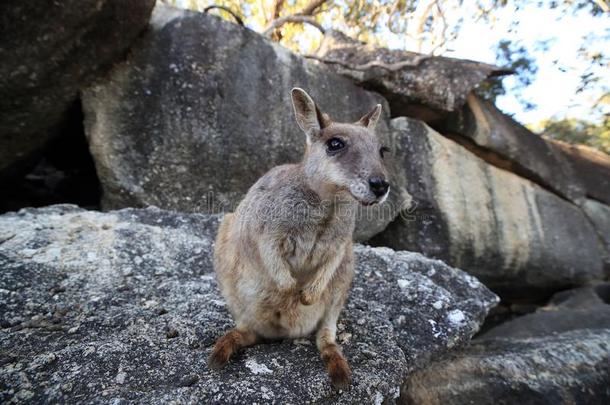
x=123, y=306
x=592, y=168
x=572, y=172
x=516, y=236
x=568, y=368
x=48, y=50
x=559, y=354
x=201, y=109
x=414, y=84
x=599, y=215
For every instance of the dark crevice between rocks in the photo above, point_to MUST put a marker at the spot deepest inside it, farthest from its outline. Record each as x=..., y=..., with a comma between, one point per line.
x=513, y=306
x=603, y=292
x=400, y=106
x=596, y=199
x=64, y=173
x=507, y=311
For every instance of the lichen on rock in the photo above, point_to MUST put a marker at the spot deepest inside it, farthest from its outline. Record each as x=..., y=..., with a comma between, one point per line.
x=103, y=307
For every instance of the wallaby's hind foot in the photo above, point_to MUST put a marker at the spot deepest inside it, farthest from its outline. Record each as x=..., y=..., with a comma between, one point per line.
x=228, y=344
x=337, y=367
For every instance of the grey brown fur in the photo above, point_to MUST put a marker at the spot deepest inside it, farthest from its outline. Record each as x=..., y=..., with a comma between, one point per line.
x=284, y=259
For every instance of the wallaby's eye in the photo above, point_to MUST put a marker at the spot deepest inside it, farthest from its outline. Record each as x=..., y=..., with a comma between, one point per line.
x=334, y=145
x=383, y=151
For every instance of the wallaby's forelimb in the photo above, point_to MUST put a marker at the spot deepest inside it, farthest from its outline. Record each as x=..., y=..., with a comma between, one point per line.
x=275, y=264
x=311, y=292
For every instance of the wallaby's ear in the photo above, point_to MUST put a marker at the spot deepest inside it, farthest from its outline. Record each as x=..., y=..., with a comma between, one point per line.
x=308, y=115
x=370, y=119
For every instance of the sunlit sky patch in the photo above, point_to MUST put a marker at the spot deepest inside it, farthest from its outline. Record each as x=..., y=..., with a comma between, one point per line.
x=553, y=90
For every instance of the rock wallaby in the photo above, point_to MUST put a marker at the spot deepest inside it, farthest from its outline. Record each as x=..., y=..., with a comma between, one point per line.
x=284, y=258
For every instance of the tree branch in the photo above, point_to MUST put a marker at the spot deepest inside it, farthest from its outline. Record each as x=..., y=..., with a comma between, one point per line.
x=228, y=10
x=391, y=67
x=603, y=5
x=277, y=8
x=293, y=19
x=311, y=7
x=421, y=25
x=275, y=14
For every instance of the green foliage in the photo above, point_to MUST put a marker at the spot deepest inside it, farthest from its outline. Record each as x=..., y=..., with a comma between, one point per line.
x=516, y=58
x=576, y=131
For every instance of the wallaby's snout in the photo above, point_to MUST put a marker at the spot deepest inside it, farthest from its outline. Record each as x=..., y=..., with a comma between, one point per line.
x=379, y=186
x=342, y=157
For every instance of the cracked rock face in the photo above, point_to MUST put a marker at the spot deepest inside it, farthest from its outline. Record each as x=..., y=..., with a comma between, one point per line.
x=516, y=236
x=572, y=172
x=48, y=51
x=559, y=354
x=104, y=307
x=201, y=109
x=567, y=368
x=599, y=215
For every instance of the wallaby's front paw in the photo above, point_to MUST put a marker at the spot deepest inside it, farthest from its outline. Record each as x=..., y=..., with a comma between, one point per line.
x=306, y=299
x=307, y=296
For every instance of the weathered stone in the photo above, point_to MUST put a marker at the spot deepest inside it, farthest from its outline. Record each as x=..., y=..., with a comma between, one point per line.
x=414, y=84
x=558, y=354
x=89, y=302
x=504, y=142
x=599, y=215
x=569, y=171
x=583, y=308
x=48, y=50
x=201, y=109
x=592, y=168
x=506, y=230
x=568, y=368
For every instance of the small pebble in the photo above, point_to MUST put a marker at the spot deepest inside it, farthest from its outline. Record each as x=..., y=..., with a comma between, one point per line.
x=171, y=333
x=189, y=380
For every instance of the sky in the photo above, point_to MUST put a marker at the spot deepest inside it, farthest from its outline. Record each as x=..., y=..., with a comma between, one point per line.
x=553, y=91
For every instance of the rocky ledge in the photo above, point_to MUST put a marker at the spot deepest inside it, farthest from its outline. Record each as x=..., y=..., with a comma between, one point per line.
x=123, y=306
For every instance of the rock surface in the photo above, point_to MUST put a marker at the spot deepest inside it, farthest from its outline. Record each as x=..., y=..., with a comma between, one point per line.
x=568, y=368
x=435, y=83
x=592, y=167
x=201, y=109
x=508, y=144
x=104, y=307
x=599, y=215
x=582, y=308
x=506, y=230
x=47, y=52
x=559, y=354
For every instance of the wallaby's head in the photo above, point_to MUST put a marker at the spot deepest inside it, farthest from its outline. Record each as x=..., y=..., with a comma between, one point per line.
x=342, y=157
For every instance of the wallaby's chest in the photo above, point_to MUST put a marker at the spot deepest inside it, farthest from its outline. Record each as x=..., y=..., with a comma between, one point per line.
x=312, y=245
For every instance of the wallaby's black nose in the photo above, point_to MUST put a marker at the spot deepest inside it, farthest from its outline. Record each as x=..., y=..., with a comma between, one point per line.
x=378, y=186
